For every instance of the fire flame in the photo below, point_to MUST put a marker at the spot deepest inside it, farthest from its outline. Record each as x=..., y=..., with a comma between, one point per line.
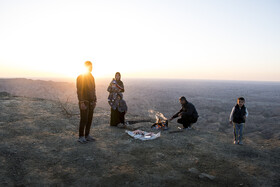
x=158, y=115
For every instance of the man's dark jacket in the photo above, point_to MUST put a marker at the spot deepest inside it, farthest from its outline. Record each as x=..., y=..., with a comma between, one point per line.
x=187, y=110
x=86, y=88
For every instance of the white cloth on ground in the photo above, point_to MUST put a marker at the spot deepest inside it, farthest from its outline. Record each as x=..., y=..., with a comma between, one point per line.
x=142, y=135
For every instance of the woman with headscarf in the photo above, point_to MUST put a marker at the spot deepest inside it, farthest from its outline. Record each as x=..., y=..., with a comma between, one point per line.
x=116, y=88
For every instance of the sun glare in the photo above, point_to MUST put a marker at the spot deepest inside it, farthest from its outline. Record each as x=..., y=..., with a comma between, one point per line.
x=76, y=69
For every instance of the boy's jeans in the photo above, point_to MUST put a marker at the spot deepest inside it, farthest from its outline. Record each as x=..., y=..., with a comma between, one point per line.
x=238, y=131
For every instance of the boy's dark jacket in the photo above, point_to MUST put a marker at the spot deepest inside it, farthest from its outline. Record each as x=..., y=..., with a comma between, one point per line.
x=86, y=87
x=187, y=109
x=239, y=114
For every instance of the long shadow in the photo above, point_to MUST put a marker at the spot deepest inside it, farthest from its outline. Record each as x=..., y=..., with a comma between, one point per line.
x=131, y=122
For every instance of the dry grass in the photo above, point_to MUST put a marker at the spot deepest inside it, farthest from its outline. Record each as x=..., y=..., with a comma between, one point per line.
x=38, y=145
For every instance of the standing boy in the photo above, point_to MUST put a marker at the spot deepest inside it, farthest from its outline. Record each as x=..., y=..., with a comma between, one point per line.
x=237, y=118
x=87, y=102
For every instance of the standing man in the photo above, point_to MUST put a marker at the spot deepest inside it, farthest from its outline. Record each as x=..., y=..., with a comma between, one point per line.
x=87, y=102
x=188, y=114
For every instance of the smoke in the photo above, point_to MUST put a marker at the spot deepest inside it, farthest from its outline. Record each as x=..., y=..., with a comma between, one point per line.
x=158, y=115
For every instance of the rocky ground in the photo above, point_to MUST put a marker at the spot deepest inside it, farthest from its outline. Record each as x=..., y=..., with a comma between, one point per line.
x=38, y=146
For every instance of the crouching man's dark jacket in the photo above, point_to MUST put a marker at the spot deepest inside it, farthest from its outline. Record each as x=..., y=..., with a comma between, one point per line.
x=187, y=110
x=86, y=88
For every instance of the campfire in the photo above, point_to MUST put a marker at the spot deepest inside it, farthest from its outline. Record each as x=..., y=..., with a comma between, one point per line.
x=161, y=124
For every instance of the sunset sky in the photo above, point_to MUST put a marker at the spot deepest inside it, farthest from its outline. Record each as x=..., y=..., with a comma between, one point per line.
x=195, y=39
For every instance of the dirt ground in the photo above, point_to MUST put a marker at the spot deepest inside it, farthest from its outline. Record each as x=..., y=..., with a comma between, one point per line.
x=38, y=146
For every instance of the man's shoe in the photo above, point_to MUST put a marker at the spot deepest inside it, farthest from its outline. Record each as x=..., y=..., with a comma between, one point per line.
x=89, y=138
x=240, y=143
x=235, y=142
x=82, y=140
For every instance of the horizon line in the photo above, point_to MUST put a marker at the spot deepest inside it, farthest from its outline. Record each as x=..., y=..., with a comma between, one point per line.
x=67, y=79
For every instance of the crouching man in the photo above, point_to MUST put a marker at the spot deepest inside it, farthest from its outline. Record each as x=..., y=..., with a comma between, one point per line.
x=188, y=114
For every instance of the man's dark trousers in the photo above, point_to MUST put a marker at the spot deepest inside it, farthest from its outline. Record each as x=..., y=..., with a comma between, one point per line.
x=86, y=119
x=186, y=121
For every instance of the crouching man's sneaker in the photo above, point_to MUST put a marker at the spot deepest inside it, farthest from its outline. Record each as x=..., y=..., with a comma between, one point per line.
x=90, y=139
x=240, y=143
x=82, y=140
x=235, y=142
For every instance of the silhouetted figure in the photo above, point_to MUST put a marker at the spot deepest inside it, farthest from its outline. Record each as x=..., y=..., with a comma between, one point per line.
x=237, y=118
x=87, y=102
x=188, y=114
x=118, y=111
x=115, y=100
